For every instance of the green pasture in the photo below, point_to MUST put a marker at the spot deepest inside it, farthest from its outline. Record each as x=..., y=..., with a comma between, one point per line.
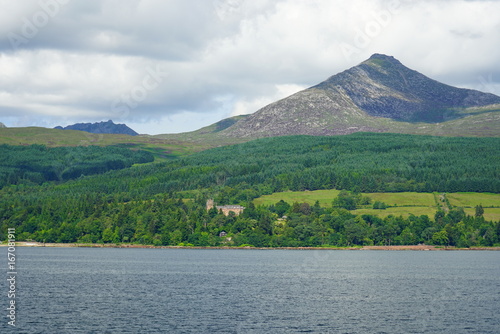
x=403, y=199
x=401, y=204
x=325, y=197
x=489, y=213
x=471, y=200
x=404, y=211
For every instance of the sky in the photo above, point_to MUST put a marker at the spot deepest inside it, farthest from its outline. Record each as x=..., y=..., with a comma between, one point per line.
x=170, y=66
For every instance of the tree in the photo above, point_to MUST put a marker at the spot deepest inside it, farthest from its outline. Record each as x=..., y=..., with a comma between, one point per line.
x=387, y=231
x=317, y=209
x=305, y=209
x=345, y=200
x=407, y=237
x=176, y=237
x=356, y=231
x=107, y=235
x=455, y=215
x=265, y=224
x=440, y=238
x=295, y=207
x=490, y=237
x=281, y=208
x=479, y=210
x=379, y=205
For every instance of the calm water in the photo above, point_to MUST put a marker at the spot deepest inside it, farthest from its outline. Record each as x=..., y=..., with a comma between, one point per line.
x=77, y=290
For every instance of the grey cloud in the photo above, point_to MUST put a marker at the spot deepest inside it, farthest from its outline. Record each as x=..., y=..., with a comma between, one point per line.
x=467, y=34
x=222, y=56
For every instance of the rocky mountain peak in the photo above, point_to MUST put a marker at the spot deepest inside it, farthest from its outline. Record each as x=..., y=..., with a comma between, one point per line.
x=101, y=127
x=366, y=97
x=381, y=59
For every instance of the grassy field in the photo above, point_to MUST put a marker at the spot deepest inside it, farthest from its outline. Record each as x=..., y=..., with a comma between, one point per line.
x=399, y=211
x=325, y=197
x=489, y=213
x=468, y=201
x=471, y=200
x=403, y=204
x=404, y=199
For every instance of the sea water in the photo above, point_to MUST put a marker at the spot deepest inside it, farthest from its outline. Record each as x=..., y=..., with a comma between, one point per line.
x=106, y=290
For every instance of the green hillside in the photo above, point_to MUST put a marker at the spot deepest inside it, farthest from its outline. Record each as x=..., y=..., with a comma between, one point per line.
x=36, y=164
x=164, y=203
x=160, y=148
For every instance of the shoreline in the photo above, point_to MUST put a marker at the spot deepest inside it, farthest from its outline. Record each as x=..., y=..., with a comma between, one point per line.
x=386, y=248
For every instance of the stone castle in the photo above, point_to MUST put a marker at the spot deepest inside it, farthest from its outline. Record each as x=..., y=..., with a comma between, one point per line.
x=236, y=209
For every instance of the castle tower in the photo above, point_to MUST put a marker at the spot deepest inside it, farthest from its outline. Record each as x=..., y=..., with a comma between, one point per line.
x=210, y=204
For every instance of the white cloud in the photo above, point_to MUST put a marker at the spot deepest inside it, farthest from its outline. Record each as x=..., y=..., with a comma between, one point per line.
x=222, y=57
x=244, y=107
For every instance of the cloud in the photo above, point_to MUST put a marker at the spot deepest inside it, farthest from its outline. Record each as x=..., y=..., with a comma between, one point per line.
x=173, y=66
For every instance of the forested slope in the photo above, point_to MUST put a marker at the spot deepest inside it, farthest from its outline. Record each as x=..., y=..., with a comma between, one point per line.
x=38, y=164
x=164, y=203
x=362, y=162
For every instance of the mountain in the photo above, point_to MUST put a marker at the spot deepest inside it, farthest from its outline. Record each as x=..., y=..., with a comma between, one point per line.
x=2, y=125
x=221, y=125
x=101, y=127
x=378, y=95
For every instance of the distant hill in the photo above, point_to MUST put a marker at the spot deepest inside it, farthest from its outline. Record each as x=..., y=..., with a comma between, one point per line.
x=162, y=149
x=101, y=127
x=2, y=125
x=378, y=95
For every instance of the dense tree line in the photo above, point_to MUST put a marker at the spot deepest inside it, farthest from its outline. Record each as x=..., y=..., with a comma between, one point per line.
x=174, y=221
x=38, y=164
x=164, y=203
